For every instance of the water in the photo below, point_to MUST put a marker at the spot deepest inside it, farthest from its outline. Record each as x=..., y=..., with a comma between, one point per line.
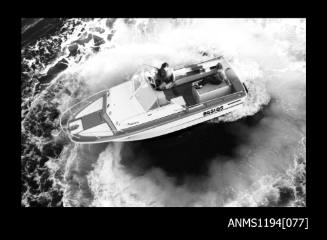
x=252, y=157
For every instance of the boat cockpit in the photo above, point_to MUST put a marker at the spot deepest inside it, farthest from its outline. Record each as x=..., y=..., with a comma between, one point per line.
x=184, y=91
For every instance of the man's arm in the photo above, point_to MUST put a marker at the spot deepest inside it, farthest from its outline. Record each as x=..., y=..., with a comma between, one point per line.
x=162, y=86
x=173, y=75
x=172, y=82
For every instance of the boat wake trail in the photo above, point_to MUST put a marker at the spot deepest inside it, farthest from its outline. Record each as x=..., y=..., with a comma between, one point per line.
x=254, y=156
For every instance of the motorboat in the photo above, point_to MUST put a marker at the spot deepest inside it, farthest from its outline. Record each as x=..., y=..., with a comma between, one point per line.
x=136, y=109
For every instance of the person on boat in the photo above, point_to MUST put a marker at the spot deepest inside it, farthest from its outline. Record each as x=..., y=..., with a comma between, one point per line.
x=215, y=79
x=166, y=77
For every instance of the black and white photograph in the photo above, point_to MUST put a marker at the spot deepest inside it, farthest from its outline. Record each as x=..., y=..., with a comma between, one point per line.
x=163, y=112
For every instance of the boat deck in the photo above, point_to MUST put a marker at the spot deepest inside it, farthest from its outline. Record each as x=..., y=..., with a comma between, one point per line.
x=193, y=96
x=185, y=90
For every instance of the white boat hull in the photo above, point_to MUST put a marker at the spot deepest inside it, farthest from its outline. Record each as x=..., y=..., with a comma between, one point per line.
x=124, y=114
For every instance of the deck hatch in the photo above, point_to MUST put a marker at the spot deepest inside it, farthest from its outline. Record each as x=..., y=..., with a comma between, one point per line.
x=92, y=120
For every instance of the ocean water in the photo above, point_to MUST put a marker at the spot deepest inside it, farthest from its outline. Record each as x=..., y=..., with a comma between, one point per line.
x=252, y=157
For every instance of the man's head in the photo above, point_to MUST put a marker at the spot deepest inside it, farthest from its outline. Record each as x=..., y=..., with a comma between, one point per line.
x=219, y=66
x=165, y=66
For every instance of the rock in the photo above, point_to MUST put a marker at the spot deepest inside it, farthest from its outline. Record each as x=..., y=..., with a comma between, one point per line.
x=98, y=40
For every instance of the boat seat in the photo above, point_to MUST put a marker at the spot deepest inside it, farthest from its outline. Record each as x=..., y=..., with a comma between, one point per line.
x=210, y=91
x=161, y=98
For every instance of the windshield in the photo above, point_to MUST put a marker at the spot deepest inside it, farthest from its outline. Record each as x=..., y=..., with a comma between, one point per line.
x=143, y=77
x=143, y=92
x=138, y=81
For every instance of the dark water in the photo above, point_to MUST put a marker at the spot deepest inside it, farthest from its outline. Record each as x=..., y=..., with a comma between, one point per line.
x=33, y=29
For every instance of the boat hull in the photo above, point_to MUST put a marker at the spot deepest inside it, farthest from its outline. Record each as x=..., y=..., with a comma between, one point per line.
x=184, y=120
x=95, y=120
